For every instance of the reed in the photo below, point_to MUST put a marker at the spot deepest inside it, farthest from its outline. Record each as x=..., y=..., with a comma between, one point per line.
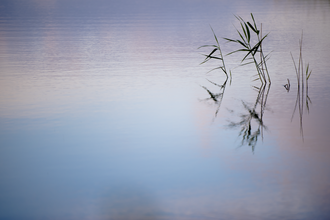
x=214, y=56
x=245, y=41
x=302, y=86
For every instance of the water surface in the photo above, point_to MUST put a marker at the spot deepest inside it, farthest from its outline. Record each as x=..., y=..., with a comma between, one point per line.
x=104, y=112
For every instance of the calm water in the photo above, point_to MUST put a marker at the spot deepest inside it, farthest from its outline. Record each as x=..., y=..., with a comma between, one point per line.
x=105, y=112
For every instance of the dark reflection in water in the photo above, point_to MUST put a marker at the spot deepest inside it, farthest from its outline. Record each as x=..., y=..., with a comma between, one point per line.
x=216, y=97
x=302, y=97
x=251, y=122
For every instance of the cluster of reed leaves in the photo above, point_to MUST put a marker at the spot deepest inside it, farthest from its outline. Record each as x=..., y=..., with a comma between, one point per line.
x=253, y=51
x=302, y=80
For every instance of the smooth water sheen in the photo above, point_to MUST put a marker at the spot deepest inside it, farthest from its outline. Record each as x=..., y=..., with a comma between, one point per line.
x=105, y=112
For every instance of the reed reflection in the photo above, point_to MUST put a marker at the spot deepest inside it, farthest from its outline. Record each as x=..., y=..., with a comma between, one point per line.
x=216, y=97
x=251, y=122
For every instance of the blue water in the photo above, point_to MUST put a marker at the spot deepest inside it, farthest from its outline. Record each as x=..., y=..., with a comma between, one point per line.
x=104, y=112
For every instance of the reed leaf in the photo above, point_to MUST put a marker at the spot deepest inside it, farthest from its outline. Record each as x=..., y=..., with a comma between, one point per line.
x=244, y=45
x=247, y=64
x=215, y=69
x=216, y=39
x=308, y=74
x=212, y=52
x=248, y=33
x=245, y=34
x=250, y=25
x=239, y=50
x=239, y=33
x=213, y=57
x=255, y=25
x=207, y=46
x=228, y=39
